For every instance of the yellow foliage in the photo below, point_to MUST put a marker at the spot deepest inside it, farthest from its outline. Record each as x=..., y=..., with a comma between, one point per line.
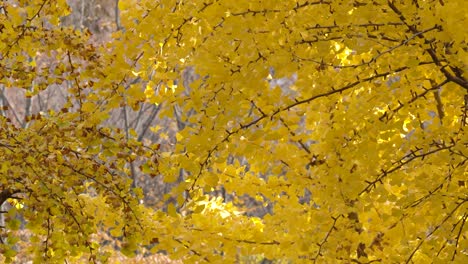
x=307, y=131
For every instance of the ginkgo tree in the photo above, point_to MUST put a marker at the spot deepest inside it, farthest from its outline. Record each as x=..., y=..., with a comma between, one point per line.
x=345, y=119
